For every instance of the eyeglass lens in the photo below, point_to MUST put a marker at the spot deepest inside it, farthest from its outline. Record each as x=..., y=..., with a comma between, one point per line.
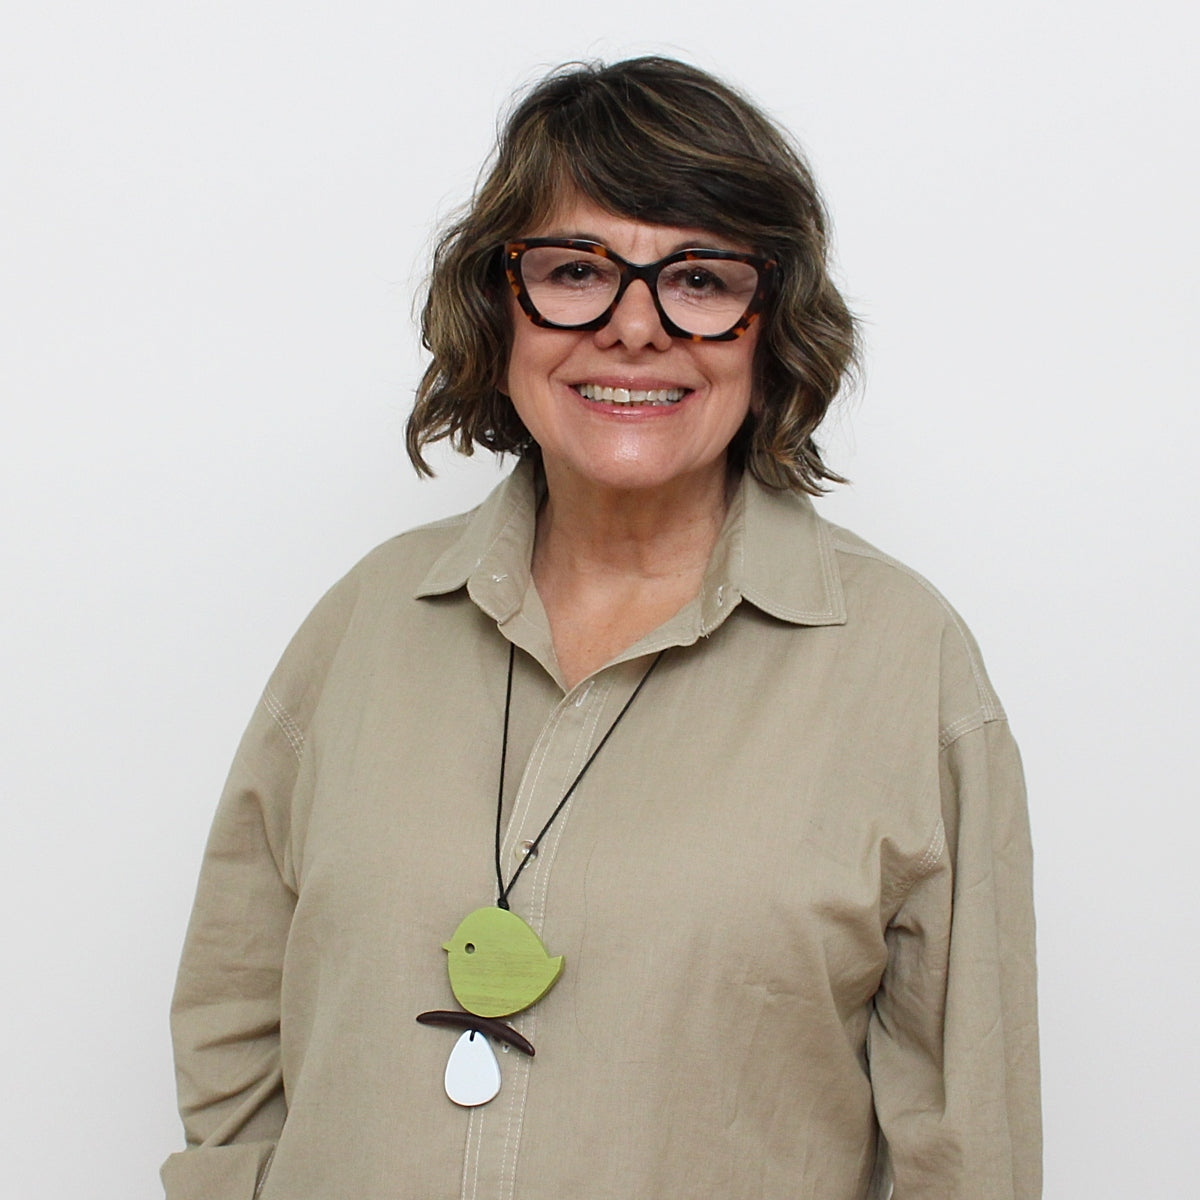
x=702, y=296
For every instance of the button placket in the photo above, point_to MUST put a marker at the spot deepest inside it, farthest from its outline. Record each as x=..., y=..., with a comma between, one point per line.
x=559, y=752
x=561, y=749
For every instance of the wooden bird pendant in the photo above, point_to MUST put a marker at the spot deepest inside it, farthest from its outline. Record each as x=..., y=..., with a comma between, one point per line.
x=498, y=966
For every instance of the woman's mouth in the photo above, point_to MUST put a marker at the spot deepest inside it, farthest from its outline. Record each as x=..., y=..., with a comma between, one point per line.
x=630, y=396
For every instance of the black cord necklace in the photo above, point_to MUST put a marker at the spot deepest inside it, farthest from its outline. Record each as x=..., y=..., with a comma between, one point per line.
x=498, y=966
x=503, y=890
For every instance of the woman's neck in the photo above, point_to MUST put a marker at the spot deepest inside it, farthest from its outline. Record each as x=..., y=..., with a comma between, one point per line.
x=610, y=565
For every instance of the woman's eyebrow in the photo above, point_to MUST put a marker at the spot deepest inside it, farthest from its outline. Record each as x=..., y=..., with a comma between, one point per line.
x=574, y=235
x=708, y=241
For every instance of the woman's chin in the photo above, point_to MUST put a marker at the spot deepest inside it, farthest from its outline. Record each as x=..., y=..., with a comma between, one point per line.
x=636, y=469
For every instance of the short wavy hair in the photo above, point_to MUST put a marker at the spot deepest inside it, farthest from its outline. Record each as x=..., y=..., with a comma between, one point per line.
x=663, y=142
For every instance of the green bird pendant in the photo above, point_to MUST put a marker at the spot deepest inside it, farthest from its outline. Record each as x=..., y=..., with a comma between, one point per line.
x=498, y=965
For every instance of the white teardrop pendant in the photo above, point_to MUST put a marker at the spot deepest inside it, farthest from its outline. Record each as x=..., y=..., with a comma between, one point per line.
x=472, y=1072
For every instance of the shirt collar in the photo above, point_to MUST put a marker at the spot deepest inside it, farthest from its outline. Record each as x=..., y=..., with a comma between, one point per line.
x=774, y=551
x=777, y=553
x=491, y=556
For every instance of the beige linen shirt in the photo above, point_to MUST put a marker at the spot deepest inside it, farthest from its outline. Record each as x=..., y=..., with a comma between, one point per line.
x=793, y=892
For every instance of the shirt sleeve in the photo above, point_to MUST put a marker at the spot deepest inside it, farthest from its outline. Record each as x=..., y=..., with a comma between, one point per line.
x=953, y=1037
x=226, y=1011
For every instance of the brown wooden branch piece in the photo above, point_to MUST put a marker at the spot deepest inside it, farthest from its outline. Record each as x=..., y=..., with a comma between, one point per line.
x=488, y=1025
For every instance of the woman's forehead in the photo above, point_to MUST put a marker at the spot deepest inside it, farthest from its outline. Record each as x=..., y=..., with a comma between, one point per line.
x=577, y=216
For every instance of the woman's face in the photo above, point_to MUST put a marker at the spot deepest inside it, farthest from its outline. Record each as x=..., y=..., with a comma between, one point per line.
x=555, y=376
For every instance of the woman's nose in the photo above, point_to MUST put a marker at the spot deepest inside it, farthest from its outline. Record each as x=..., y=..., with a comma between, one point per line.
x=635, y=322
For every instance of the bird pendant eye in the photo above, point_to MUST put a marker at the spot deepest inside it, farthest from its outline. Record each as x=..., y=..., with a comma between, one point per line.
x=470, y=947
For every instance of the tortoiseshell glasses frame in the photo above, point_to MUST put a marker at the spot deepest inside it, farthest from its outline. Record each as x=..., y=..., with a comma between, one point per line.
x=648, y=273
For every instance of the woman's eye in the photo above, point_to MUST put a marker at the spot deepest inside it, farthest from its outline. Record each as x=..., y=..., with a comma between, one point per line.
x=695, y=281
x=574, y=273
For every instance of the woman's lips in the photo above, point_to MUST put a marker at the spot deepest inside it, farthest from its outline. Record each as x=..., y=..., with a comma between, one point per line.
x=658, y=397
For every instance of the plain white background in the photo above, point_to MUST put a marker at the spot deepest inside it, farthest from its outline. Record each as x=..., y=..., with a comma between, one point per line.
x=213, y=220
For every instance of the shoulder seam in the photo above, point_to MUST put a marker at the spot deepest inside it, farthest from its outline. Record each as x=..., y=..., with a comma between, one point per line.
x=968, y=724
x=933, y=852
x=285, y=721
x=924, y=867
x=990, y=708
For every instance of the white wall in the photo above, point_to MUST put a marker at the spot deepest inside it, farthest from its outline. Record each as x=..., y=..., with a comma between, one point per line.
x=212, y=222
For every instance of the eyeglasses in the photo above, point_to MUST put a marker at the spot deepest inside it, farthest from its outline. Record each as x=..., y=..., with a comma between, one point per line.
x=702, y=295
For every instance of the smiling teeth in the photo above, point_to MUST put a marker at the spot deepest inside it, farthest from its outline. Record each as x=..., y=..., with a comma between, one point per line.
x=619, y=395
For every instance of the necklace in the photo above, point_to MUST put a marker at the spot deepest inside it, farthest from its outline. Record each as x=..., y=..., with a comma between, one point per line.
x=498, y=965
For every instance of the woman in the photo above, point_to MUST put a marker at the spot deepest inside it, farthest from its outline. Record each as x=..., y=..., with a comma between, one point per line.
x=641, y=764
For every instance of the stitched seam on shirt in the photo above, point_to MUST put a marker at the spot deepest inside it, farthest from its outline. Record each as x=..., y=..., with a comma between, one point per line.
x=539, y=893
x=518, y=1090
x=798, y=615
x=455, y=550
x=505, y=612
x=510, y=509
x=977, y=720
x=515, y=1094
x=933, y=852
x=835, y=608
x=584, y=741
x=283, y=718
x=825, y=547
x=522, y=618
x=470, y=1185
x=514, y=825
x=544, y=738
x=955, y=730
x=518, y=1081
x=545, y=865
x=989, y=703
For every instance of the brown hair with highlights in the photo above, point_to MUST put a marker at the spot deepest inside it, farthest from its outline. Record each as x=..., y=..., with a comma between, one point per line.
x=663, y=142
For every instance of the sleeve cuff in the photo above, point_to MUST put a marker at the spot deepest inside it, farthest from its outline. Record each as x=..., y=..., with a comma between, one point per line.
x=235, y=1172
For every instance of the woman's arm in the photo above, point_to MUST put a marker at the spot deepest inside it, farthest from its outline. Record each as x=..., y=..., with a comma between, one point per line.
x=953, y=1039
x=225, y=1016
x=225, y=1019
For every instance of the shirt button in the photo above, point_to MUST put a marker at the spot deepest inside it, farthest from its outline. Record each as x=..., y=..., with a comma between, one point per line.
x=524, y=849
